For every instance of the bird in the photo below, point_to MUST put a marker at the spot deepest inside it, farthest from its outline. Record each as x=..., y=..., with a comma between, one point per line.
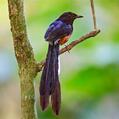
x=58, y=33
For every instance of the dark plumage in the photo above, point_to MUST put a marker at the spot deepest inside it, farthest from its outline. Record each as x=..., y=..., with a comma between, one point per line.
x=69, y=17
x=57, y=33
x=57, y=30
x=61, y=27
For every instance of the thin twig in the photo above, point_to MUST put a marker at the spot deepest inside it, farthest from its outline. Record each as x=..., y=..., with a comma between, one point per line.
x=93, y=14
x=70, y=46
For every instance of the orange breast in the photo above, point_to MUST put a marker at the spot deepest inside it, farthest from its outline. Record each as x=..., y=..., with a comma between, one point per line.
x=64, y=40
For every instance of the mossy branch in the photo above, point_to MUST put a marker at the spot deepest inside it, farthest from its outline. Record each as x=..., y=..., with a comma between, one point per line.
x=25, y=58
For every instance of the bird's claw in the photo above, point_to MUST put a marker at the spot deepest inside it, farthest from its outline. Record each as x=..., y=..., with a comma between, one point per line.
x=67, y=48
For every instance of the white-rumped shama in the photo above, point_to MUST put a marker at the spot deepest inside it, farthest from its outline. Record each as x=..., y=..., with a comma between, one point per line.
x=57, y=34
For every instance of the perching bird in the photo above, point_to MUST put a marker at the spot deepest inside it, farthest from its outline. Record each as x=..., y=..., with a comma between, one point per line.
x=57, y=34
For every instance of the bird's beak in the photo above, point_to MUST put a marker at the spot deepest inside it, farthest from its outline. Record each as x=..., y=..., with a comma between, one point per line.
x=79, y=16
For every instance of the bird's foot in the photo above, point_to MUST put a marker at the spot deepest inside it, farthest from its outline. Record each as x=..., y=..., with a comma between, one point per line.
x=67, y=48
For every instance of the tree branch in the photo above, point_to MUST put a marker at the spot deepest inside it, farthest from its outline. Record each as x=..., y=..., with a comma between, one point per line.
x=25, y=58
x=76, y=42
x=93, y=14
x=71, y=45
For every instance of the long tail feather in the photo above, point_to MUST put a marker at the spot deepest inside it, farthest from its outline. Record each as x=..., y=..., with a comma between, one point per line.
x=56, y=99
x=56, y=95
x=49, y=76
x=44, y=94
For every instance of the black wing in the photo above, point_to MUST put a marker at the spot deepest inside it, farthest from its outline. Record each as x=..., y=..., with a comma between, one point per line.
x=57, y=30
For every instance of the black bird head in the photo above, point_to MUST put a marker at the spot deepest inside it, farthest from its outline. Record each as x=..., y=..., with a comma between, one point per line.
x=69, y=17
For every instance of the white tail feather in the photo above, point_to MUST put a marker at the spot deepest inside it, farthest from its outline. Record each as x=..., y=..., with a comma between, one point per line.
x=58, y=65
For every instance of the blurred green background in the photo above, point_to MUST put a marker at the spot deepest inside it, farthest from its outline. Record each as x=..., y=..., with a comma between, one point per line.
x=89, y=73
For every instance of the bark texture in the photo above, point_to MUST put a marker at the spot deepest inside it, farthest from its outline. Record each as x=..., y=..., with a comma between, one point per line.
x=25, y=58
